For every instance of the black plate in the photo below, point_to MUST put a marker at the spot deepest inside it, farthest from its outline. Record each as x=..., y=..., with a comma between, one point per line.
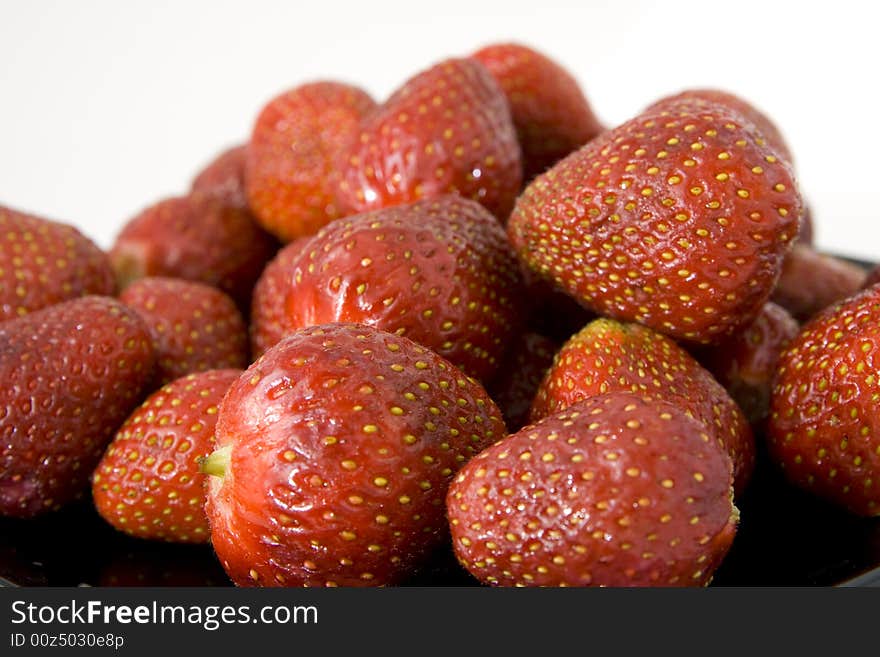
x=786, y=538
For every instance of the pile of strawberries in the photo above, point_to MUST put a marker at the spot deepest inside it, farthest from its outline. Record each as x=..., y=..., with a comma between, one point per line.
x=470, y=315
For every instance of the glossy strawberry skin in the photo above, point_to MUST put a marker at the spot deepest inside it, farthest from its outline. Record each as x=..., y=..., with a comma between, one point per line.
x=148, y=484
x=676, y=220
x=549, y=110
x=763, y=124
x=341, y=441
x=44, y=262
x=197, y=238
x=223, y=177
x=446, y=130
x=195, y=327
x=822, y=429
x=608, y=356
x=267, y=325
x=514, y=385
x=440, y=272
x=290, y=169
x=746, y=363
x=72, y=372
x=811, y=281
x=615, y=491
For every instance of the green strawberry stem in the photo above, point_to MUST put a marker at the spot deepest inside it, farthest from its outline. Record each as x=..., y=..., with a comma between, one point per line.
x=217, y=463
x=128, y=265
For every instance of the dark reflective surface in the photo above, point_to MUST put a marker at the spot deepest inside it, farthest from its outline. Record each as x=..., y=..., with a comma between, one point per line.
x=786, y=538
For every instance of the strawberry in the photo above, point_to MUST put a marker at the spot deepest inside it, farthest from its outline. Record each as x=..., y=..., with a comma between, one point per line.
x=617, y=490
x=148, y=482
x=289, y=169
x=72, y=372
x=745, y=363
x=872, y=277
x=607, y=356
x=705, y=98
x=267, y=325
x=197, y=238
x=43, y=262
x=448, y=129
x=514, y=385
x=439, y=271
x=550, y=112
x=811, y=281
x=223, y=177
x=805, y=235
x=335, y=451
x=822, y=429
x=678, y=220
x=195, y=327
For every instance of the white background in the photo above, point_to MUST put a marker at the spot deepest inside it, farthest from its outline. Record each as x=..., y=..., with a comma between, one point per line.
x=108, y=106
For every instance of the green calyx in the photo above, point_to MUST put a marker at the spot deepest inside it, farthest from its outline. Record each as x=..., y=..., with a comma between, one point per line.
x=216, y=463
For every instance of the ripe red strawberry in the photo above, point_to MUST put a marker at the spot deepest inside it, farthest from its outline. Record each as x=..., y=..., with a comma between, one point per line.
x=448, y=129
x=289, y=171
x=675, y=220
x=197, y=238
x=439, y=271
x=705, y=98
x=607, y=356
x=872, y=277
x=267, y=325
x=745, y=364
x=824, y=413
x=223, y=177
x=71, y=374
x=195, y=327
x=616, y=491
x=550, y=112
x=43, y=262
x=148, y=482
x=515, y=383
x=811, y=281
x=335, y=451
